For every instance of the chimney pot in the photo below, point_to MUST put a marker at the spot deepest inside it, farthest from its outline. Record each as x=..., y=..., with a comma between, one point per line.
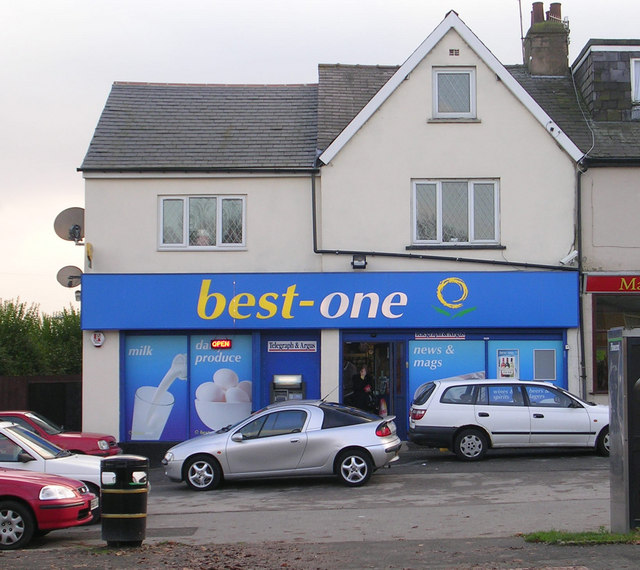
x=555, y=10
x=537, y=13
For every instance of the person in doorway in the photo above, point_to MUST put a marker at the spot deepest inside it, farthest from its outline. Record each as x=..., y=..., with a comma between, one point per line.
x=383, y=400
x=362, y=384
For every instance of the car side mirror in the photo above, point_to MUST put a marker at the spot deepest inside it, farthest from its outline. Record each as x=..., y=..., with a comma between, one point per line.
x=24, y=457
x=237, y=437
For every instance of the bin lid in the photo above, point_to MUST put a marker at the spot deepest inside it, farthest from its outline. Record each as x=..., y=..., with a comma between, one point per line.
x=123, y=461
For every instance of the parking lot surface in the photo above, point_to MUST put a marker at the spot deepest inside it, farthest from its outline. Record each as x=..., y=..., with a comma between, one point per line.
x=429, y=510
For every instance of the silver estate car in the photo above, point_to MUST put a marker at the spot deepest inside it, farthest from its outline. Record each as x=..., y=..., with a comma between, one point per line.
x=288, y=439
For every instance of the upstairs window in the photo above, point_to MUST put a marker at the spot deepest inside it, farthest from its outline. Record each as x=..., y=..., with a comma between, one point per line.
x=194, y=222
x=635, y=81
x=454, y=93
x=453, y=212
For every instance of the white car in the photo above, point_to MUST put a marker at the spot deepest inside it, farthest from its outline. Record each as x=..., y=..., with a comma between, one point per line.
x=23, y=449
x=470, y=416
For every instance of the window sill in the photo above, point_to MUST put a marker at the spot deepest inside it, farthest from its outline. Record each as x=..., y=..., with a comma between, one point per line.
x=453, y=120
x=451, y=247
x=203, y=248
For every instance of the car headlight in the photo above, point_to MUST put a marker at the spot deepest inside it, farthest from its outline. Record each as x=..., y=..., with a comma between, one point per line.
x=167, y=458
x=52, y=492
x=102, y=444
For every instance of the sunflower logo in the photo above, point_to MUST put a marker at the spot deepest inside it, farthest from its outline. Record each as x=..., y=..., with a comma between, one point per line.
x=451, y=293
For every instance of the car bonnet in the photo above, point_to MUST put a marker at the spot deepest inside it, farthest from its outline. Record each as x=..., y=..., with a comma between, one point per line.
x=82, y=467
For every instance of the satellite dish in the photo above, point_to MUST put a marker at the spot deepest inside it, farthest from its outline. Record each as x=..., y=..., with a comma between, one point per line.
x=69, y=276
x=69, y=224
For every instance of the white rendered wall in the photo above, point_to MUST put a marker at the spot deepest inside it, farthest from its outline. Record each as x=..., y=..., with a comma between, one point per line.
x=330, y=365
x=101, y=385
x=122, y=218
x=610, y=206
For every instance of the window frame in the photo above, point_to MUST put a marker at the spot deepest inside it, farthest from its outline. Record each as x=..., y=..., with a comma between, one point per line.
x=564, y=401
x=634, y=63
x=439, y=241
x=184, y=245
x=486, y=396
x=472, y=113
x=268, y=424
x=539, y=366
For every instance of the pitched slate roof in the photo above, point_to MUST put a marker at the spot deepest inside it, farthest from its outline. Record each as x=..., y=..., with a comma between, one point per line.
x=205, y=127
x=343, y=90
x=558, y=97
x=299, y=127
x=599, y=140
x=616, y=141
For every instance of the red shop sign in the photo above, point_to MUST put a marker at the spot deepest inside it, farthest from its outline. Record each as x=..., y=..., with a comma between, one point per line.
x=613, y=283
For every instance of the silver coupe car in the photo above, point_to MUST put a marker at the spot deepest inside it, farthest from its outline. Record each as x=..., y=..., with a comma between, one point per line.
x=288, y=439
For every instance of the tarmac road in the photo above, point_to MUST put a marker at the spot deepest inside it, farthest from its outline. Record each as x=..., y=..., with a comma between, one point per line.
x=425, y=504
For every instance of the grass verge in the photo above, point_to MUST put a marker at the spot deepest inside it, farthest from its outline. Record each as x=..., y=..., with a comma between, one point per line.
x=601, y=536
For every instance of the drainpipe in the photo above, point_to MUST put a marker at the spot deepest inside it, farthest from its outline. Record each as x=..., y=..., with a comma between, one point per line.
x=314, y=218
x=583, y=368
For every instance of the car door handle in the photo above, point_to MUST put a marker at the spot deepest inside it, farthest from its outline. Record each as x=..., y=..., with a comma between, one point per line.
x=538, y=415
x=295, y=440
x=483, y=414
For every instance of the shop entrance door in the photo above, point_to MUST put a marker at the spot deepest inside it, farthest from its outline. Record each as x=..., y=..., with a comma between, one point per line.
x=386, y=379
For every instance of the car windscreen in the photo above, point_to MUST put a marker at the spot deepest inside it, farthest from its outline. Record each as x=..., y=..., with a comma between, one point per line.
x=44, y=424
x=43, y=447
x=585, y=402
x=339, y=416
x=423, y=393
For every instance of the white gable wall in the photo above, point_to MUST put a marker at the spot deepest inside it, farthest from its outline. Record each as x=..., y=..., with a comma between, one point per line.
x=366, y=188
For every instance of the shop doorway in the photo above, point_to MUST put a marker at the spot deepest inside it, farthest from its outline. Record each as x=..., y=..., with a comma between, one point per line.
x=386, y=380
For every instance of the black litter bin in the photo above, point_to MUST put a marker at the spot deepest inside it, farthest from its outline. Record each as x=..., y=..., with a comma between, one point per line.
x=125, y=486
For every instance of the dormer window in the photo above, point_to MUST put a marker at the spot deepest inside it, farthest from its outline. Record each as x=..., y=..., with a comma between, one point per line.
x=635, y=81
x=454, y=93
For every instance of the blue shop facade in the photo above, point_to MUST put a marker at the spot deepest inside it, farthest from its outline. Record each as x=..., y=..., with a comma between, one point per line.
x=201, y=351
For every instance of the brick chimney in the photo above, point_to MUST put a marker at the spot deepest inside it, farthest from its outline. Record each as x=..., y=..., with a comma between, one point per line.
x=546, y=45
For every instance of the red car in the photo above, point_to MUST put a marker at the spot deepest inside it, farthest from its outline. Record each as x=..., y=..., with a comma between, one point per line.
x=76, y=442
x=32, y=504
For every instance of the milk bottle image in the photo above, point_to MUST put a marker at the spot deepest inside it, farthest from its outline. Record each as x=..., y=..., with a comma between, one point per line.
x=152, y=405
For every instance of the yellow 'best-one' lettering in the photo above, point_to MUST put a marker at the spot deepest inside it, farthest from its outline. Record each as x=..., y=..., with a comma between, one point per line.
x=269, y=306
x=203, y=299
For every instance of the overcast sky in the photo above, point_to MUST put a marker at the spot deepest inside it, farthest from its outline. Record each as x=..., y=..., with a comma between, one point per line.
x=58, y=59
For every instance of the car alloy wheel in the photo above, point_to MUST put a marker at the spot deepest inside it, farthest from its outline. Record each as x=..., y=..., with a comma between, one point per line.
x=603, y=445
x=354, y=468
x=203, y=473
x=16, y=525
x=470, y=445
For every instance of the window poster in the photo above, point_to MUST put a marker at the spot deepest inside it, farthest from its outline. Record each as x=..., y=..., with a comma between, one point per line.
x=221, y=390
x=508, y=363
x=437, y=359
x=155, y=388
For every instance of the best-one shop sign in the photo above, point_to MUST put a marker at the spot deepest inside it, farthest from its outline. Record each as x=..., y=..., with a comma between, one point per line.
x=329, y=300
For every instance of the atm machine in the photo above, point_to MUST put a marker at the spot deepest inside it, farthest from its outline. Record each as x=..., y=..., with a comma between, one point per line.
x=287, y=387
